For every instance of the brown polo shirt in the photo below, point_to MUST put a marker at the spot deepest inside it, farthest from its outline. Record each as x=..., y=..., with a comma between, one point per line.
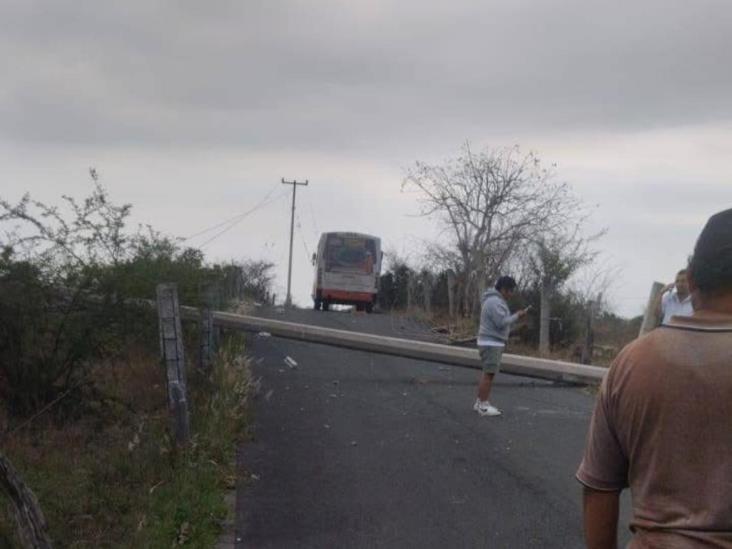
x=662, y=425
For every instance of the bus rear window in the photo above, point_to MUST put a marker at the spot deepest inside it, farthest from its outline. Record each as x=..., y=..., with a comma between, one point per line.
x=350, y=254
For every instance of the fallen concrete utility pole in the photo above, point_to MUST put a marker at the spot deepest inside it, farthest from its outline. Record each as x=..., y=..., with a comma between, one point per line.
x=457, y=356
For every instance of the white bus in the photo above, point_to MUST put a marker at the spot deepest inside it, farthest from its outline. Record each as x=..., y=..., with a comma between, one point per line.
x=347, y=268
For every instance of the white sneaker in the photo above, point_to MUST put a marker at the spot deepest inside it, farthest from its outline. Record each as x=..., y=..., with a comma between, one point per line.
x=486, y=409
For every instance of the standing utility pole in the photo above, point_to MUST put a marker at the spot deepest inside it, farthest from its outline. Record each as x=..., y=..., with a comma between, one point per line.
x=288, y=299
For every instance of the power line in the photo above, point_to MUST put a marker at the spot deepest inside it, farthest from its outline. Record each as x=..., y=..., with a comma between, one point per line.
x=241, y=218
x=312, y=217
x=209, y=229
x=302, y=237
x=234, y=218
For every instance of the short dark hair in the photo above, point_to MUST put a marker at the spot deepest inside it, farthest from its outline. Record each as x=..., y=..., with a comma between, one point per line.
x=711, y=265
x=505, y=282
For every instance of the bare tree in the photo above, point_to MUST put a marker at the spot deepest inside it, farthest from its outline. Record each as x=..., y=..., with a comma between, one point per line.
x=489, y=203
x=594, y=282
x=93, y=233
x=553, y=258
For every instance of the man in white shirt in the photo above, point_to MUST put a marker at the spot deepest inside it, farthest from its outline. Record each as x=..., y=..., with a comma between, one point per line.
x=675, y=303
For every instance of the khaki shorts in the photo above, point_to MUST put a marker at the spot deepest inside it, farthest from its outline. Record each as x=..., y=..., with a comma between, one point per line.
x=490, y=358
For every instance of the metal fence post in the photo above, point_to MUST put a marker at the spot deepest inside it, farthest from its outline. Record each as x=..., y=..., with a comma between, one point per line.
x=171, y=349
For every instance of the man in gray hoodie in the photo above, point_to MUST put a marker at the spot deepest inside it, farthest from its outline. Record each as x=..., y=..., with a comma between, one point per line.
x=496, y=321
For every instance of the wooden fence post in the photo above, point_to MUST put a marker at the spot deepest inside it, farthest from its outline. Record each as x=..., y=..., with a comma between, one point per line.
x=427, y=291
x=411, y=283
x=544, y=320
x=588, y=347
x=239, y=283
x=586, y=356
x=451, y=282
x=171, y=348
x=32, y=527
x=206, y=348
x=207, y=344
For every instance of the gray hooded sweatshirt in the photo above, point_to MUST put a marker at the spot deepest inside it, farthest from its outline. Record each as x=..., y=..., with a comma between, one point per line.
x=495, y=319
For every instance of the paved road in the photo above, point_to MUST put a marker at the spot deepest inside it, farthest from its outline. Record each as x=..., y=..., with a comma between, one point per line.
x=359, y=450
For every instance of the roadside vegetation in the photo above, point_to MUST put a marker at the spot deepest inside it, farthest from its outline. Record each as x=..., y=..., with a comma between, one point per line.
x=83, y=407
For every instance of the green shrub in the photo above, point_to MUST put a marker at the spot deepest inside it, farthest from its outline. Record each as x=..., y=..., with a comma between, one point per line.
x=67, y=281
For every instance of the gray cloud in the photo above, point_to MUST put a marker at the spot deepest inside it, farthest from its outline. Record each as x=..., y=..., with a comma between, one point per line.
x=330, y=75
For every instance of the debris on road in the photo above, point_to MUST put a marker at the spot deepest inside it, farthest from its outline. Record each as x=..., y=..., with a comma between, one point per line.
x=325, y=425
x=290, y=362
x=354, y=443
x=333, y=395
x=254, y=477
x=269, y=395
x=264, y=334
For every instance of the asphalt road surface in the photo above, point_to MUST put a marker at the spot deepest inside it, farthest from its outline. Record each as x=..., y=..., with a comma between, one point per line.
x=352, y=449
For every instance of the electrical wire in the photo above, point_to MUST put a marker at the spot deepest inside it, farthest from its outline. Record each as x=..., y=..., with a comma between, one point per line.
x=302, y=237
x=242, y=217
x=234, y=218
x=312, y=217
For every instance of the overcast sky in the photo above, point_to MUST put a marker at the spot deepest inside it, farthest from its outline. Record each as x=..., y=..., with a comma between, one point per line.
x=193, y=111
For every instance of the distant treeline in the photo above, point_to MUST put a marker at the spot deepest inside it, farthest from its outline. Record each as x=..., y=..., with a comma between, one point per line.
x=403, y=288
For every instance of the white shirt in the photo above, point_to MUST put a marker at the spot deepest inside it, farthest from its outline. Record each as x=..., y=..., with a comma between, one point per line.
x=672, y=306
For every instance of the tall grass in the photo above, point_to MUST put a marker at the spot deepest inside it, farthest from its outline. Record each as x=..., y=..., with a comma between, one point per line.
x=115, y=479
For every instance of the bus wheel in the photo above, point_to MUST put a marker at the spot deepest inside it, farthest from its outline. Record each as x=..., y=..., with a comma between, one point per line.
x=369, y=308
x=316, y=304
x=359, y=307
x=326, y=305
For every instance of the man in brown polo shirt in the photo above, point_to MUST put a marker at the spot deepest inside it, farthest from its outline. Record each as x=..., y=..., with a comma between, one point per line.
x=663, y=420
